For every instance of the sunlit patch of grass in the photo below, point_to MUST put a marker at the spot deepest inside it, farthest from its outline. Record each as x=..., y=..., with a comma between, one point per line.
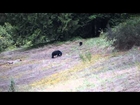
x=82, y=57
x=100, y=42
x=76, y=39
x=86, y=56
x=94, y=81
x=138, y=65
x=59, y=43
x=75, y=49
x=138, y=71
x=67, y=74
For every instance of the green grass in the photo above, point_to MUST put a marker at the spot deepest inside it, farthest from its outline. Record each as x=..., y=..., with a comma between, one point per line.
x=88, y=56
x=76, y=38
x=82, y=57
x=99, y=42
x=60, y=43
x=85, y=56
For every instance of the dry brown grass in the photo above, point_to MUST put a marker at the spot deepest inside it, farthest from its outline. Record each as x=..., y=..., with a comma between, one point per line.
x=107, y=70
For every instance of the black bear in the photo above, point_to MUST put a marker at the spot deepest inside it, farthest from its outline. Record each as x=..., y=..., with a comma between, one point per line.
x=56, y=53
x=80, y=43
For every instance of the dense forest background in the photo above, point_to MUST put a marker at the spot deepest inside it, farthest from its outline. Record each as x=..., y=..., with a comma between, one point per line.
x=29, y=29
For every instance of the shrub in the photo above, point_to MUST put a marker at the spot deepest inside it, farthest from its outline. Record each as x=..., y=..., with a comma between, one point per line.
x=12, y=86
x=86, y=56
x=82, y=57
x=125, y=35
x=6, y=32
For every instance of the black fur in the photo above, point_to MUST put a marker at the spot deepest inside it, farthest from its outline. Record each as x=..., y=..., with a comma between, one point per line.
x=57, y=52
x=80, y=43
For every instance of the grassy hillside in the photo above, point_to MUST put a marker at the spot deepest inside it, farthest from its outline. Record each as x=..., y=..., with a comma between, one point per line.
x=94, y=66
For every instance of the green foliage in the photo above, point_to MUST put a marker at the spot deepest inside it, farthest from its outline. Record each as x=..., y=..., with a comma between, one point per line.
x=29, y=29
x=75, y=38
x=82, y=57
x=126, y=34
x=6, y=32
x=99, y=41
x=12, y=86
x=92, y=17
x=86, y=56
x=117, y=18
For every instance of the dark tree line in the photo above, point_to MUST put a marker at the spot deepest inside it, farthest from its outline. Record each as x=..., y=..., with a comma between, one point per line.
x=37, y=28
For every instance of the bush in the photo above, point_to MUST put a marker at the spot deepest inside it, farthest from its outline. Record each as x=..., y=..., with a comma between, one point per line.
x=125, y=35
x=82, y=57
x=12, y=86
x=86, y=56
x=6, y=32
